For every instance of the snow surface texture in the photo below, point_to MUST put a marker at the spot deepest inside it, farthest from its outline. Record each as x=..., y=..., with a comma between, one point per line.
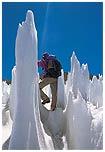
x=76, y=123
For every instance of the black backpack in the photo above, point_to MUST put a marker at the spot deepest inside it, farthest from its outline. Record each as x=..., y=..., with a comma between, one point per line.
x=57, y=67
x=55, y=70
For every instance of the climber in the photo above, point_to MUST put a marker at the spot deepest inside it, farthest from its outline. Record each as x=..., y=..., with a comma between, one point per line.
x=51, y=71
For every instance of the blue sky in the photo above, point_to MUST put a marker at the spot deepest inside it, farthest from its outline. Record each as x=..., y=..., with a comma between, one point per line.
x=62, y=28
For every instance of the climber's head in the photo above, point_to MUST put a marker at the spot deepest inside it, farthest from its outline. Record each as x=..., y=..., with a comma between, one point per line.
x=45, y=55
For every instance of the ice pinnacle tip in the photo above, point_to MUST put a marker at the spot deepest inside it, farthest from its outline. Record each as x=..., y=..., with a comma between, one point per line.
x=29, y=16
x=73, y=53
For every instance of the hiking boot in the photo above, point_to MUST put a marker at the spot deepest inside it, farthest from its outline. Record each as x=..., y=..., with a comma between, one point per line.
x=53, y=106
x=46, y=101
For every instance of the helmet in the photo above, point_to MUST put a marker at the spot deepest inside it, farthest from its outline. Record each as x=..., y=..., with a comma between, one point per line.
x=45, y=55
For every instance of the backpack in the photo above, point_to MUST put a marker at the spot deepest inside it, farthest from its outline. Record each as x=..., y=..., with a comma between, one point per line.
x=57, y=67
x=54, y=70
